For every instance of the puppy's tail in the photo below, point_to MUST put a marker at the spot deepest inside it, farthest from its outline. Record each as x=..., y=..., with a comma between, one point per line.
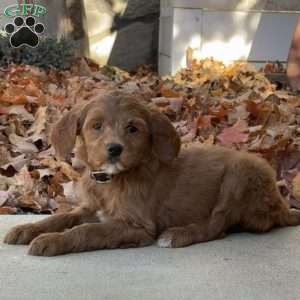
x=292, y=217
x=285, y=215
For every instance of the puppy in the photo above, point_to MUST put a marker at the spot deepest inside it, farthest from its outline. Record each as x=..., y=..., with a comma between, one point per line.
x=138, y=188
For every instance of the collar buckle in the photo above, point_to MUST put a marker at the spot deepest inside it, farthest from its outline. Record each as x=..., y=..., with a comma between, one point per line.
x=101, y=177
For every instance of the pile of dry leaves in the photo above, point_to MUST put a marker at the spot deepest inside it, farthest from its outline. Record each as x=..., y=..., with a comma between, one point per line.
x=209, y=103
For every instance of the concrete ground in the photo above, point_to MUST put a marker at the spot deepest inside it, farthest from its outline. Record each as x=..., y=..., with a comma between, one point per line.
x=241, y=266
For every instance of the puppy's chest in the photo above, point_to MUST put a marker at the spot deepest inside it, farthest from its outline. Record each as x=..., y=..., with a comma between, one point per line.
x=102, y=216
x=118, y=202
x=111, y=205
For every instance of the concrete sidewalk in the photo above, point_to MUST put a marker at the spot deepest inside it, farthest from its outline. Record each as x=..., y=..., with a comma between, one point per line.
x=241, y=266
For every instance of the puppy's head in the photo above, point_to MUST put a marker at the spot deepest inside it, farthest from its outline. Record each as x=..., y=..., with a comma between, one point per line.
x=117, y=134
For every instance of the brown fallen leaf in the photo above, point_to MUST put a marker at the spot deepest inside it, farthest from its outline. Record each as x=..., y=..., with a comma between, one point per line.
x=5, y=156
x=238, y=113
x=28, y=201
x=50, y=162
x=69, y=191
x=21, y=144
x=168, y=93
x=7, y=210
x=17, y=162
x=4, y=110
x=210, y=140
x=296, y=185
x=204, y=121
x=20, y=99
x=67, y=170
x=160, y=101
x=39, y=124
x=4, y=195
x=21, y=111
x=234, y=134
x=24, y=179
x=175, y=104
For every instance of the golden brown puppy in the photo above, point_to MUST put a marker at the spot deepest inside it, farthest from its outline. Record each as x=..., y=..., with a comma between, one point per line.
x=137, y=187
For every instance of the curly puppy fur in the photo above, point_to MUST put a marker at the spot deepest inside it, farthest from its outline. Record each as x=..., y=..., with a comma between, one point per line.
x=155, y=191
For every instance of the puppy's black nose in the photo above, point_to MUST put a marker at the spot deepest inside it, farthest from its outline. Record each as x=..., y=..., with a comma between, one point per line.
x=114, y=150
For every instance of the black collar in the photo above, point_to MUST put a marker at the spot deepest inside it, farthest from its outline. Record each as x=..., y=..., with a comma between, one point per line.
x=101, y=177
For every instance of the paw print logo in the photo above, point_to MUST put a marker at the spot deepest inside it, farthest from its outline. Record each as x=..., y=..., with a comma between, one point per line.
x=24, y=32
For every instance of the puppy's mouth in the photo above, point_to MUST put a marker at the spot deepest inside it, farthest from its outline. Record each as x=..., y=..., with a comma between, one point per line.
x=106, y=173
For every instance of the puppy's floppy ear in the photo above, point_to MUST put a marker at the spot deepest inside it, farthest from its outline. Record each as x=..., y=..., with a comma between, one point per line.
x=165, y=139
x=64, y=132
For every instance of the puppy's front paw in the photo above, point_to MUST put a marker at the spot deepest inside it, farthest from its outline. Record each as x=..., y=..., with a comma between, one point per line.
x=48, y=244
x=22, y=234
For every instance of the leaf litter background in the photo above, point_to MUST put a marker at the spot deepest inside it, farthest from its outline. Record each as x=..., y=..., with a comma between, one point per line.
x=208, y=103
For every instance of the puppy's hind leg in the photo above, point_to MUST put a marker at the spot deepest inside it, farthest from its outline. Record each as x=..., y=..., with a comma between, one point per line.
x=273, y=211
x=290, y=218
x=176, y=237
x=280, y=212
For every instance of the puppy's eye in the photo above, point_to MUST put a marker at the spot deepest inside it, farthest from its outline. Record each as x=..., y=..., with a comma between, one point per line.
x=97, y=126
x=131, y=129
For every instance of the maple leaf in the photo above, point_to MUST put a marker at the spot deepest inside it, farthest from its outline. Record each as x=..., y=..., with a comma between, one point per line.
x=3, y=110
x=234, y=134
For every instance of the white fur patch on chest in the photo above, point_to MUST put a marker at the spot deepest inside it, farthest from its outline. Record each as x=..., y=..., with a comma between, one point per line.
x=102, y=216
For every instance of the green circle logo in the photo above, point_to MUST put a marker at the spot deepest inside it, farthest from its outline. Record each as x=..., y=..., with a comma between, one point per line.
x=25, y=9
